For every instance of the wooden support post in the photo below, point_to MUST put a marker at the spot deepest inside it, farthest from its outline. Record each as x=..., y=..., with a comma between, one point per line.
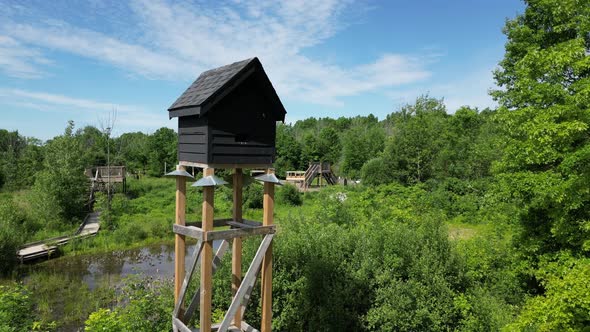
x=236, y=265
x=179, y=247
x=266, y=294
x=207, y=256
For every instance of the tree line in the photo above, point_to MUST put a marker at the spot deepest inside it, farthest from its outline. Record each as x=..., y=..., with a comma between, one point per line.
x=22, y=158
x=419, y=142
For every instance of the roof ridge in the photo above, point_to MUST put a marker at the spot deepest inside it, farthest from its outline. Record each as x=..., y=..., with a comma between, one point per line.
x=227, y=66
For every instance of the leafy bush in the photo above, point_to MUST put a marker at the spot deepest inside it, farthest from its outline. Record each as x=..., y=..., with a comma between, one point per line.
x=565, y=306
x=289, y=195
x=375, y=172
x=61, y=188
x=16, y=308
x=253, y=196
x=104, y=320
x=110, y=212
x=144, y=304
x=11, y=237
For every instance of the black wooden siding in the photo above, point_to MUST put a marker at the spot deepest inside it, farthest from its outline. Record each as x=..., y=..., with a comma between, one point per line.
x=242, y=126
x=192, y=139
x=227, y=149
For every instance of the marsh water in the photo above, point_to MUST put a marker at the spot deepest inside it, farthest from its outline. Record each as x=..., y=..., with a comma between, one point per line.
x=96, y=272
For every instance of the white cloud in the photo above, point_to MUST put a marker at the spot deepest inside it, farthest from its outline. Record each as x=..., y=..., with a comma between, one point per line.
x=134, y=58
x=471, y=90
x=19, y=61
x=129, y=117
x=177, y=40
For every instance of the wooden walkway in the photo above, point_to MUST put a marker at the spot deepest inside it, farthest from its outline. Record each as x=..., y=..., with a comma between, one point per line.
x=44, y=248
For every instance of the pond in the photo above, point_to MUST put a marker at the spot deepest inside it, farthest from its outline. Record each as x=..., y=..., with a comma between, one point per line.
x=60, y=283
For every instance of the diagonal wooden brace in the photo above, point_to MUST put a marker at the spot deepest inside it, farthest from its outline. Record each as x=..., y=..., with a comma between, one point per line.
x=195, y=300
x=248, y=280
x=187, y=278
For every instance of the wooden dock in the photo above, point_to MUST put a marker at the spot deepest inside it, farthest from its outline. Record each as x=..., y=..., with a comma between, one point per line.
x=45, y=248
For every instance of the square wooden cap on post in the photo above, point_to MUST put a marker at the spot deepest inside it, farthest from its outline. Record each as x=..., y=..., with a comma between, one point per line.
x=227, y=118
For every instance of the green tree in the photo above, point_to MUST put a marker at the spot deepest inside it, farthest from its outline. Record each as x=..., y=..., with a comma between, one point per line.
x=134, y=153
x=30, y=162
x=329, y=145
x=375, y=172
x=360, y=144
x=311, y=149
x=544, y=112
x=565, y=304
x=288, y=150
x=412, y=151
x=94, y=143
x=11, y=147
x=162, y=147
x=60, y=190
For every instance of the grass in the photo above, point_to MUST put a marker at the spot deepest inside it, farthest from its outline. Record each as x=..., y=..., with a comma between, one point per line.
x=146, y=214
x=464, y=231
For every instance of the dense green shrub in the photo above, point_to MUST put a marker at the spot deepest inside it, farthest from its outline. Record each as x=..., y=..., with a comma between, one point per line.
x=253, y=196
x=289, y=195
x=11, y=237
x=16, y=308
x=110, y=212
x=375, y=172
x=565, y=306
x=355, y=272
x=144, y=304
x=351, y=258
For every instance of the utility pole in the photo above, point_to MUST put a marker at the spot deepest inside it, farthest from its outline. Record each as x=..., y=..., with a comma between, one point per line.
x=107, y=125
x=108, y=132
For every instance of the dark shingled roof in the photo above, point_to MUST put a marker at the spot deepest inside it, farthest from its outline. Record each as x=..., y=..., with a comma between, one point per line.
x=212, y=83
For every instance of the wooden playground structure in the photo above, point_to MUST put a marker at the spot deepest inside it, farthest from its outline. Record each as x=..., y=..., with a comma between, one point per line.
x=226, y=120
x=102, y=178
x=316, y=170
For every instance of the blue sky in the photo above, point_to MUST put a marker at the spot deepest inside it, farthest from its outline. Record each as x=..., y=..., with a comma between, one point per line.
x=79, y=60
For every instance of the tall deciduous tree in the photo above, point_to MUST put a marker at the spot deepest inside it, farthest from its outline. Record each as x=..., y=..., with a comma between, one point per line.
x=11, y=147
x=60, y=190
x=162, y=146
x=413, y=149
x=94, y=143
x=545, y=113
x=134, y=153
x=360, y=144
x=288, y=150
x=329, y=145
